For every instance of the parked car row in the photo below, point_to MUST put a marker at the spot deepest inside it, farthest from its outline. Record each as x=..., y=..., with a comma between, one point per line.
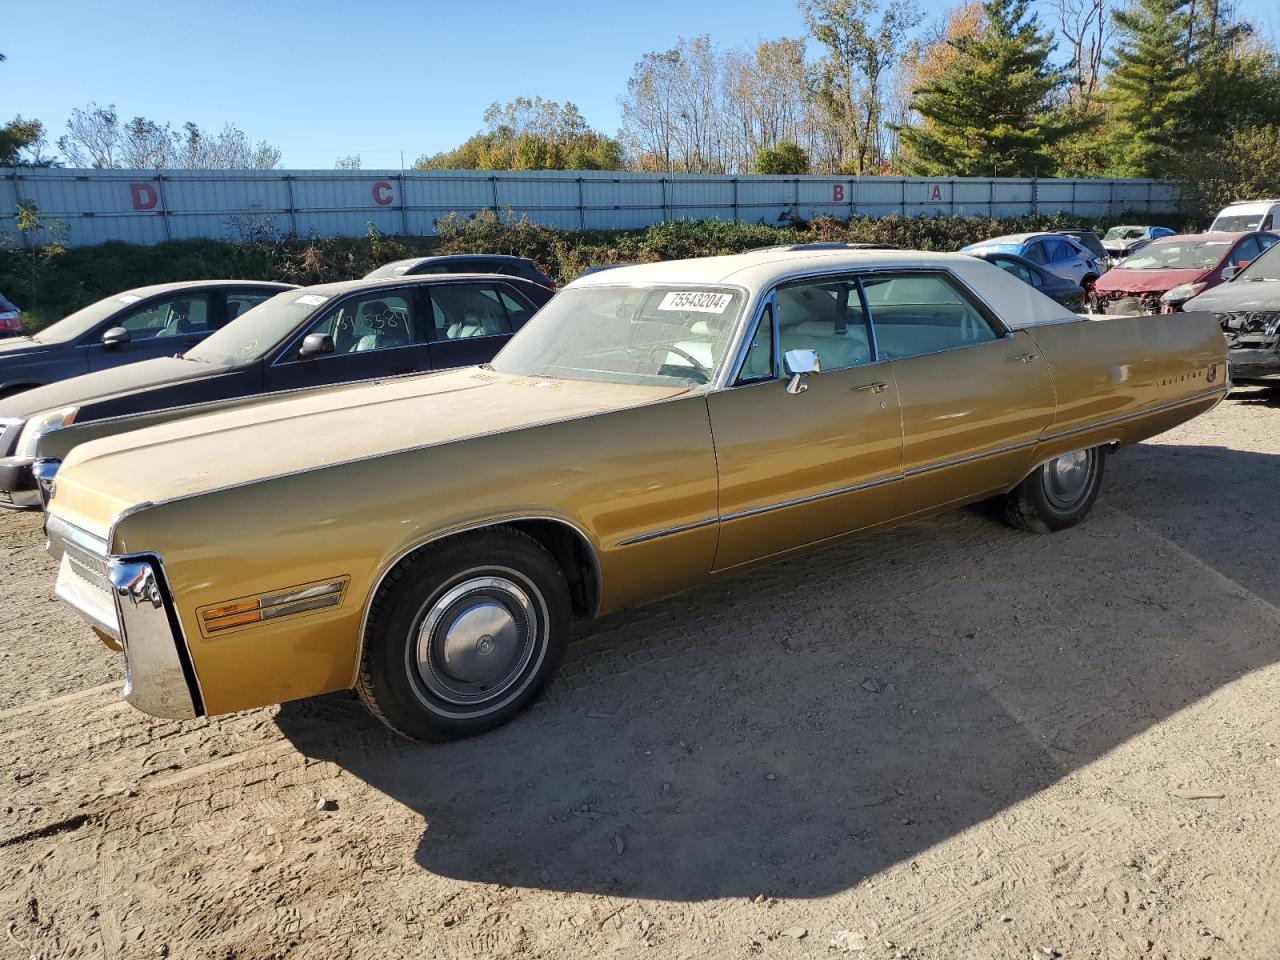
x=430, y=540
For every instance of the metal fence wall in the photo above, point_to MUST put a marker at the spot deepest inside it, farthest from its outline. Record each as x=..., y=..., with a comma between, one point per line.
x=147, y=207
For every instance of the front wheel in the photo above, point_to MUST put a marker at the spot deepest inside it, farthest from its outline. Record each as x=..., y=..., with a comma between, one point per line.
x=464, y=635
x=1057, y=494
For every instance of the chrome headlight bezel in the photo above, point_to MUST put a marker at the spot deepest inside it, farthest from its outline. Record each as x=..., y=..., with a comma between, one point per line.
x=40, y=424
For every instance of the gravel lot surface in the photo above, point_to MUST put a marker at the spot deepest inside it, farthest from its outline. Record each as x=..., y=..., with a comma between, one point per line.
x=947, y=740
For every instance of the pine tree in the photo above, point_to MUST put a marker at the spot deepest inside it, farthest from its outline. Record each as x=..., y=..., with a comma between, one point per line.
x=989, y=112
x=1150, y=88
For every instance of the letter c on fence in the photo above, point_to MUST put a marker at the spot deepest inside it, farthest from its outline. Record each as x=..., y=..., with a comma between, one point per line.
x=382, y=193
x=837, y=193
x=144, y=196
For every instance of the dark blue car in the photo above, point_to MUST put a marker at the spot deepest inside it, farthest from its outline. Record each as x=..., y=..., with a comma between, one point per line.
x=305, y=337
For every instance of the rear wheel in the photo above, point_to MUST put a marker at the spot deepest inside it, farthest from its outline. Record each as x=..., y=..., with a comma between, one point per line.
x=464, y=635
x=1057, y=494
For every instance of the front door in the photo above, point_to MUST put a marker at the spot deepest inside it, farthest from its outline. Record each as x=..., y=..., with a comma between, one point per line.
x=163, y=327
x=975, y=398
x=797, y=468
x=375, y=334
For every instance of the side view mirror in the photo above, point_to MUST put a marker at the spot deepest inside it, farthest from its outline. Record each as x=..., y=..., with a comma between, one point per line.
x=115, y=337
x=1229, y=271
x=801, y=363
x=315, y=345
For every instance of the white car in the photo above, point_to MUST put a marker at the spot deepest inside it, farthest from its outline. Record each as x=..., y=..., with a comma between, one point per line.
x=1060, y=255
x=1246, y=216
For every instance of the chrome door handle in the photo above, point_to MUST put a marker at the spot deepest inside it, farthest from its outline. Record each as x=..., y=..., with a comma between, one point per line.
x=1024, y=357
x=877, y=387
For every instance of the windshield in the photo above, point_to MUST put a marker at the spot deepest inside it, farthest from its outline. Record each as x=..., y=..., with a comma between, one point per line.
x=1265, y=267
x=1124, y=233
x=994, y=248
x=1237, y=224
x=257, y=331
x=637, y=334
x=1178, y=255
x=82, y=321
x=396, y=268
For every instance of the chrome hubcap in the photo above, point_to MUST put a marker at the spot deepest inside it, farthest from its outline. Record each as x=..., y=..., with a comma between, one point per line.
x=476, y=639
x=1066, y=478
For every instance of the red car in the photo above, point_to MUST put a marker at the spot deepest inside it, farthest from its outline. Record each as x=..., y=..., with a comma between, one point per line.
x=1167, y=273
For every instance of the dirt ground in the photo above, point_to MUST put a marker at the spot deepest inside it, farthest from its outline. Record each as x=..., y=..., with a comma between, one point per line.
x=950, y=740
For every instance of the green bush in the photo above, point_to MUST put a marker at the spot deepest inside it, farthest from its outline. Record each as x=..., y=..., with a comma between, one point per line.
x=82, y=275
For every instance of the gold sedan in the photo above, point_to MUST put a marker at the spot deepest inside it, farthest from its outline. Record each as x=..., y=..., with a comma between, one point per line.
x=429, y=540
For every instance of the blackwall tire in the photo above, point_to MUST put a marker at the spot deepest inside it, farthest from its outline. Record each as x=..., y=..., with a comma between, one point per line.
x=1058, y=494
x=464, y=635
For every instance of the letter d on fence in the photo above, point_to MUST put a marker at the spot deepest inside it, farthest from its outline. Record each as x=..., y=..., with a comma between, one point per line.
x=382, y=193
x=144, y=196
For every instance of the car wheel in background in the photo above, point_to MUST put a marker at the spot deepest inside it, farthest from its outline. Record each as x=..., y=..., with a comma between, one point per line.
x=1057, y=494
x=463, y=635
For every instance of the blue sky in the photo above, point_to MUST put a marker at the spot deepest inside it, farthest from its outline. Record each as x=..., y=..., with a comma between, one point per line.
x=324, y=78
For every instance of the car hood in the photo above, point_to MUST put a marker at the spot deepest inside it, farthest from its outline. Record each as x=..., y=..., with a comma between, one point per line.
x=1238, y=295
x=1145, y=281
x=102, y=478
x=106, y=383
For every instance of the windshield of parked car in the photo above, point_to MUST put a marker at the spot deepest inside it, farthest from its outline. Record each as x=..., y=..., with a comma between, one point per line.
x=1177, y=255
x=1238, y=224
x=994, y=248
x=82, y=321
x=258, y=330
x=1266, y=266
x=1124, y=233
x=646, y=334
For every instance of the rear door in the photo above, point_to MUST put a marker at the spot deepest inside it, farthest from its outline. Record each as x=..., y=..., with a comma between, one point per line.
x=472, y=320
x=974, y=397
x=160, y=327
x=379, y=333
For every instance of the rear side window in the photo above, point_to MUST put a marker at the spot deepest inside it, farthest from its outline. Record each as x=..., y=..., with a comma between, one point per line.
x=915, y=314
x=463, y=310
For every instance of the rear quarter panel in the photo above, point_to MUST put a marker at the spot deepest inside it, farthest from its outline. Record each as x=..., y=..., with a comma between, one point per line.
x=1123, y=379
x=614, y=476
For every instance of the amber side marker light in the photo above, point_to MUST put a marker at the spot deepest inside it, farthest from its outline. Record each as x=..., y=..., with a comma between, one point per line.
x=272, y=606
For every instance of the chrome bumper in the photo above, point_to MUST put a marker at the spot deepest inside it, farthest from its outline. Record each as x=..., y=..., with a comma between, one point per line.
x=124, y=597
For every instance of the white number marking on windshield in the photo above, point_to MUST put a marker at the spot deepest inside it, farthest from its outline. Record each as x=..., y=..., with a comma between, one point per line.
x=684, y=300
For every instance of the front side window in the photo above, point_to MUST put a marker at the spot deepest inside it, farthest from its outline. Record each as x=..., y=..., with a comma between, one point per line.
x=825, y=316
x=376, y=321
x=642, y=334
x=915, y=314
x=1014, y=267
x=170, y=317
x=1246, y=252
x=461, y=311
x=1035, y=252
x=1266, y=267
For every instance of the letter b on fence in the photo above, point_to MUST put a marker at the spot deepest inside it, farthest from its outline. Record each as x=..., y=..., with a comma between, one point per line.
x=144, y=196
x=837, y=193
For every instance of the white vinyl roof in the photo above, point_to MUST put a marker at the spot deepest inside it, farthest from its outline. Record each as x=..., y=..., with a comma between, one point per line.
x=1017, y=303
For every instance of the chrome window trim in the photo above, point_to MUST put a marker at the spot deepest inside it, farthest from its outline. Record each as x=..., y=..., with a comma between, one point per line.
x=469, y=528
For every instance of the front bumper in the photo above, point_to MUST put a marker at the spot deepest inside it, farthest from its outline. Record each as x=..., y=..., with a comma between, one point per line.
x=125, y=598
x=18, y=489
x=1255, y=364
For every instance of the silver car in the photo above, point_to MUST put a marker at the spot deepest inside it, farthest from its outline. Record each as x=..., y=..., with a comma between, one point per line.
x=1058, y=254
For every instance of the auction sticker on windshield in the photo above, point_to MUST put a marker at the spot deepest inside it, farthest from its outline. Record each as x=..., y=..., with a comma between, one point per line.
x=698, y=302
x=311, y=299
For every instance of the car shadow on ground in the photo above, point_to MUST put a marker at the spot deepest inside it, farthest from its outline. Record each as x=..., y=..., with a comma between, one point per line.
x=801, y=727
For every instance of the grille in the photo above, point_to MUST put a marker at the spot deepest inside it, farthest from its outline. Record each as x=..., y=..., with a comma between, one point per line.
x=1251, y=321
